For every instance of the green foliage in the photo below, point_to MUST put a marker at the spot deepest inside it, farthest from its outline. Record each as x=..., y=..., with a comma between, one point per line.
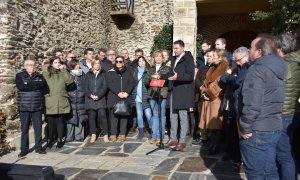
x=163, y=40
x=199, y=40
x=284, y=15
x=4, y=146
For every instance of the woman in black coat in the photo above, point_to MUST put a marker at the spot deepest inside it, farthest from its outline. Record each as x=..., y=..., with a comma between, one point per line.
x=78, y=115
x=95, y=101
x=121, y=84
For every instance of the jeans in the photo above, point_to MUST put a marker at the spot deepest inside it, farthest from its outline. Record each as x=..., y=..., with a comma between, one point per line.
x=155, y=120
x=139, y=114
x=284, y=151
x=259, y=155
x=26, y=117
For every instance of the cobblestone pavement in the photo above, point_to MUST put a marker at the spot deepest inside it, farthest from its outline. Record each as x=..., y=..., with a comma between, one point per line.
x=113, y=161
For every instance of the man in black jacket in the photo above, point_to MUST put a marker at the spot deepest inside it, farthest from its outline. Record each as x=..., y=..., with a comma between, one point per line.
x=262, y=98
x=181, y=85
x=31, y=85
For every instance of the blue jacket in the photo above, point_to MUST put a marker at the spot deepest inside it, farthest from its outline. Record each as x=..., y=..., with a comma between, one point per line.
x=263, y=95
x=233, y=88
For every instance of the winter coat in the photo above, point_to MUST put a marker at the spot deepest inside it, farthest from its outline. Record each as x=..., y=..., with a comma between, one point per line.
x=292, y=83
x=164, y=74
x=30, y=91
x=78, y=113
x=145, y=103
x=95, y=85
x=263, y=95
x=211, y=118
x=233, y=84
x=56, y=97
x=115, y=78
x=182, y=89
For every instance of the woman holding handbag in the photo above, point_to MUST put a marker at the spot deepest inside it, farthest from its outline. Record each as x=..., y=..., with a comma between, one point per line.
x=212, y=92
x=158, y=97
x=121, y=84
x=139, y=96
x=95, y=101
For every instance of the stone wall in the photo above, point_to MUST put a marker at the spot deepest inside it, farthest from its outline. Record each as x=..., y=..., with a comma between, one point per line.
x=39, y=26
x=150, y=16
x=185, y=23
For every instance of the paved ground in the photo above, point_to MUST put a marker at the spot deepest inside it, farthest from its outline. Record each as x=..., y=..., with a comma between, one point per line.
x=113, y=161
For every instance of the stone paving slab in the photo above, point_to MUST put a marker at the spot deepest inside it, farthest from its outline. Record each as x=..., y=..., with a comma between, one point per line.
x=128, y=160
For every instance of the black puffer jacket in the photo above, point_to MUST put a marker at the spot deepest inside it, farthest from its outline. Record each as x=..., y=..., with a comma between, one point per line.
x=115, y=77
x=292, y=83
x=95, y=85
x=77, y=100
x=263, y=95
x=30, y=91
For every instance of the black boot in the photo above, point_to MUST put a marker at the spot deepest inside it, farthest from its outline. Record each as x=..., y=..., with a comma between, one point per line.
x=140, y=135
x=216, y=140
x=50, y=143
x=60, y=143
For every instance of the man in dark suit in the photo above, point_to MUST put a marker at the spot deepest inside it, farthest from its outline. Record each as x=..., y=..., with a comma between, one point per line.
x=181, y=86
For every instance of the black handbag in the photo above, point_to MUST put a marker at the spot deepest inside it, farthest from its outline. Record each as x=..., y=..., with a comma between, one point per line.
x=122, y=107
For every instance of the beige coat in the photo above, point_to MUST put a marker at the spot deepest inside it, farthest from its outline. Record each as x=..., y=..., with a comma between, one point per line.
x=211, y=118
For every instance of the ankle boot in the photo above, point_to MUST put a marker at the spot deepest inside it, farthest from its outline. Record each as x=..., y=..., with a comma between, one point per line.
x=59, y=143
x=140, y=135
x=50, y=143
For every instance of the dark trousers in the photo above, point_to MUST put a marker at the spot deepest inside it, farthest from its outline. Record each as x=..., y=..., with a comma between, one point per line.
x=115, y=120
x=97, y=117
x=26, y=117
x=232, y=139
x=55, y=122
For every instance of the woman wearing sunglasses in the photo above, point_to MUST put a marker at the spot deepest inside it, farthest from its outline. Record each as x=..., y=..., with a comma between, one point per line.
x=121, y=84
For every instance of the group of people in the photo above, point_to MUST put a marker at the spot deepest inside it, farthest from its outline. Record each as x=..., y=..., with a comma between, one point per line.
x=250, y=96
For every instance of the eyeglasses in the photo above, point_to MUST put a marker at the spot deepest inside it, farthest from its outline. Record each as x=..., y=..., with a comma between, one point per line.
x=121, y=62
x=239, y=59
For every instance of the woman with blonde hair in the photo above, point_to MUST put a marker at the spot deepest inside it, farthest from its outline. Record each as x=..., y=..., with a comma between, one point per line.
x=158, y=97
x=212, y=92
x=95, y=100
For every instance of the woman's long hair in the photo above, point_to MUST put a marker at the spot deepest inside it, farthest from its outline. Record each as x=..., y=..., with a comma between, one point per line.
x=222, y=54
x=50, y=68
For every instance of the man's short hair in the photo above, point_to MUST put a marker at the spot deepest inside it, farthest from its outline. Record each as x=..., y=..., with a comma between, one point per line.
x=179, y=42
x=287, y=42
x=102, y=50
x=56, y=51
x=138, y=50
x=223, y=40
x=87, y=50
x=266, y=44
x=242, y=50
x=205, y=41
x=29, y=58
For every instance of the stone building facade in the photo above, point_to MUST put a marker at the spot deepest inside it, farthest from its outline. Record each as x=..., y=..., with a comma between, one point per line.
x=40, y=26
